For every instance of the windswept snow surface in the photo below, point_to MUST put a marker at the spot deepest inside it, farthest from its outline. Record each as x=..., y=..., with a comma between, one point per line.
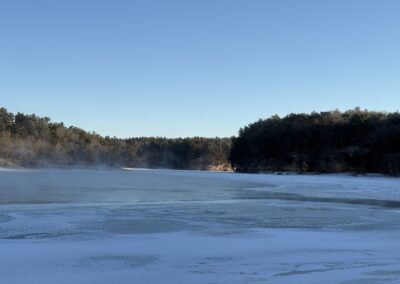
x=160, y=226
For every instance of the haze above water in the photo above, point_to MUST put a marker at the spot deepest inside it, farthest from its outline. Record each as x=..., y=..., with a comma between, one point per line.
x=160, y=226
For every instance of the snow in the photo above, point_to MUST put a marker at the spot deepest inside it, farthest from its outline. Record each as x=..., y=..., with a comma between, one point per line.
x=86, y=226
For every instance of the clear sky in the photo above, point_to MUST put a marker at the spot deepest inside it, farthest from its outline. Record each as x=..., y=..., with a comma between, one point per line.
x=206, y=67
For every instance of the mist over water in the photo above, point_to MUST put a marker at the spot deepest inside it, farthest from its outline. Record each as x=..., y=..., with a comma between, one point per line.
x=114, y=186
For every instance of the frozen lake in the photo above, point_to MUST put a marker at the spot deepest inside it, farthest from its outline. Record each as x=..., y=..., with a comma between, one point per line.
x=160, y=226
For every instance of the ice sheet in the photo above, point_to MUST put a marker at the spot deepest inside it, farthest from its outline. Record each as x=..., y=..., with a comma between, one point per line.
x=84, y=226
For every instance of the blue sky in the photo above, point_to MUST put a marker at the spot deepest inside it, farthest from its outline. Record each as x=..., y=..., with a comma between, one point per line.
x=186, y=68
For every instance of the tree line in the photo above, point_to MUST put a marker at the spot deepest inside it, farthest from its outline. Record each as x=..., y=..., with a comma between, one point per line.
x=351, y=141
x=33, y=141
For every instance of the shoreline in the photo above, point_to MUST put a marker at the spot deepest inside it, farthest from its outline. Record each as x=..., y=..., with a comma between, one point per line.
x=275, y=173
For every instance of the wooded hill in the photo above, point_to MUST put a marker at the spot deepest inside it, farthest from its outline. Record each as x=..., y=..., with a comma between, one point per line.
x=29, y=140
x=351, y=141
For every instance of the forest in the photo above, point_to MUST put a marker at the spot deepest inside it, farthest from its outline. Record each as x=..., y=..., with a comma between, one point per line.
x=357, y=141
x=32, y=141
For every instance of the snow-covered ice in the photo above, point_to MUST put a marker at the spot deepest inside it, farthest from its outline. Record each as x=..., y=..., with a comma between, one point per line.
x=160, y=226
